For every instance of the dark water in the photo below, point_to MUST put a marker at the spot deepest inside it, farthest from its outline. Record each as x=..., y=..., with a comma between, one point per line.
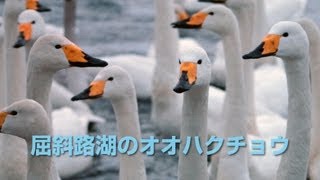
x=110, y=27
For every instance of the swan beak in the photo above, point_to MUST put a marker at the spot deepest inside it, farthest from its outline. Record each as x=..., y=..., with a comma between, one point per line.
x=78, y=58
x=194, y=22
x=25, y=32
x=95, y=90
x=269, y=47
x=188, y=77
x=35, y=5
x=3, y=116
x=213, y=1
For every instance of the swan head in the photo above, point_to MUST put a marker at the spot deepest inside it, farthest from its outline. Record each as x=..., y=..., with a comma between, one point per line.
x=112, y=82
x=36, y=5
x=31, y=26
x=195, y=68
x=24, y=119
x=216, y=18
x=52, y=53
x=285, y=39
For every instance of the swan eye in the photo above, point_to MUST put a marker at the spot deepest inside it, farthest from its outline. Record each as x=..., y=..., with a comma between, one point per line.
x=33, y=22
x=110, y=79
x=179, y=61
x=211, y=13
x=199, y=61
x=285, y=34
x=58, y=46
x=13, y=113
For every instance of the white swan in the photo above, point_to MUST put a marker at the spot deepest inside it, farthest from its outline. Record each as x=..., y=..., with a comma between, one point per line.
x=253, y=25
x=281, y=42
x=14, y=82
x=115, y=84
x=195, y=74
x=36, y=121
x=274, y=9
x=244, y=10
x=221, y=20
x=268, y=124
x=31, y=27
x=49, y=54
x=313, y=33
x=167, y=106
x=16, y=68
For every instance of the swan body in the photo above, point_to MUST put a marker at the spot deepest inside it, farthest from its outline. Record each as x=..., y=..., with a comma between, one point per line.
x=271, y=82
x=140, y=69
x=116, y=84
x=73, y=125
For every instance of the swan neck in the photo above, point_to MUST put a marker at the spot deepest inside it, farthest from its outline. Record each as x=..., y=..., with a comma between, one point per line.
x=126, y=111
x=235, y=105
x=315, y=79
x=38, y=167
x=234, y=64
x=261, y=21
x=14, y=58
x=3, y=77
x=165, y=102
x=194, y=123
x=39, y=86
x=299, y=120
x=28, y=47
x=166, y=37
x=246, y=19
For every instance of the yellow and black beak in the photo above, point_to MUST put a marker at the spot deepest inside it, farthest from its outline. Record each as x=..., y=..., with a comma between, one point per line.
x=25, y=33
x=188, y=77
x=78, y=58
x=95, y=90
x=214, y=1
x=194, y=22
x=3, y=116
x=36, y=5
x=269, y=47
